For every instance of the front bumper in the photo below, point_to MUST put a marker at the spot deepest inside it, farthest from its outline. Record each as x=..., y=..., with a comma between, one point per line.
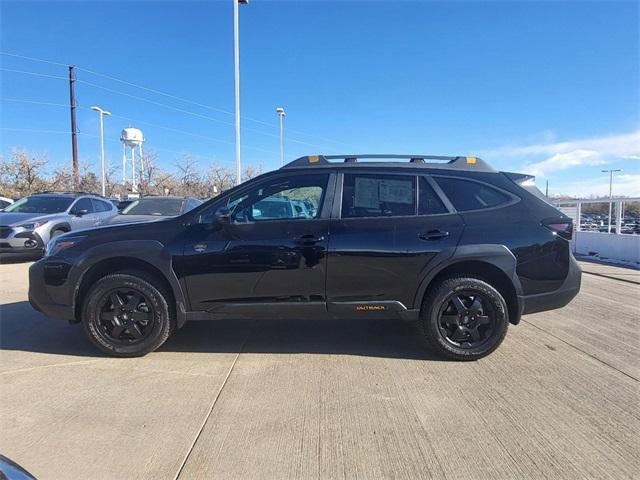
x=47, y=293
x=25, y=242
x=557, y=298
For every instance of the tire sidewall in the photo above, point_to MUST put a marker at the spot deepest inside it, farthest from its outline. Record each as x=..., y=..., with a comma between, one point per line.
x=91, y=309
x=432, y=313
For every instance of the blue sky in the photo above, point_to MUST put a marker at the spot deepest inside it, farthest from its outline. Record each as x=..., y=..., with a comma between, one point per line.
x=545, y=87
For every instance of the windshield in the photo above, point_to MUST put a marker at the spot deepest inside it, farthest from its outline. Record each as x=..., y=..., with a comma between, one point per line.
x=40, y=204
x=162, y=207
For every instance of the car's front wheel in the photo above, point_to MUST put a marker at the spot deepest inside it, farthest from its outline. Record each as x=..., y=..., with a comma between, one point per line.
x=464, y=318
x=126, y=315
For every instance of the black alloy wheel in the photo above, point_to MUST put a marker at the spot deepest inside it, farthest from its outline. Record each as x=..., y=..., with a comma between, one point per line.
x=125, y=316
x=128, y=314
x=466, y=319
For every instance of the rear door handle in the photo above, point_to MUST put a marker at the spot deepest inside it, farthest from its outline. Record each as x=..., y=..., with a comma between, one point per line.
x=308, y=239
x=433, y=235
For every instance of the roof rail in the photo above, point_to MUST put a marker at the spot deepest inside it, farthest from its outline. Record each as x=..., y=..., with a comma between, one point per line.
x=432, y=161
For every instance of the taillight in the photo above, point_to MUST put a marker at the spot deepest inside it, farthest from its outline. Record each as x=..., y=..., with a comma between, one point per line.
x=562, y=227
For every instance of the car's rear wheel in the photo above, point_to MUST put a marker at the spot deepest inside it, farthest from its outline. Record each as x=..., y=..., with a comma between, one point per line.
x=126, y=315
x=464, y=318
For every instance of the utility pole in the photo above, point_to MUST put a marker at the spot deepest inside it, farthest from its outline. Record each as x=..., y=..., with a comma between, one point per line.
x=546, y=190
x=281, y=113
x=236, y=58
x=610, y=172
x=74, y=130
x=102, y=113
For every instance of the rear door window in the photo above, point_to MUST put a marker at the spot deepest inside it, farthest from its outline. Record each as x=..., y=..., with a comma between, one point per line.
x=468, y=195
x=378, y=195
x=101, y=206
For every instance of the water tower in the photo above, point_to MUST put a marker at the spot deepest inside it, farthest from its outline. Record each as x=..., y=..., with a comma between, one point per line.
x=132, y=138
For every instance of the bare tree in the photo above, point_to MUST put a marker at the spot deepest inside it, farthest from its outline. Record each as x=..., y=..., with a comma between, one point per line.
x=61, y=180
x=23, y=174
x=149, y=174
x=251, y=171
x=189, y=179
x=219, y=179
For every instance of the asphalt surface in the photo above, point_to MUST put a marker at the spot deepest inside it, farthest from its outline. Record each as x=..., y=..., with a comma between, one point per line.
x=305, y=399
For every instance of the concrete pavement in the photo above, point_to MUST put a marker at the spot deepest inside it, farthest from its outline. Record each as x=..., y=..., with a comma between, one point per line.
x=305, y=399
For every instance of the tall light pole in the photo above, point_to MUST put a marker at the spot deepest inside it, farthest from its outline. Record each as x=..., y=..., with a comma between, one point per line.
x=611, y=172
x=102, y=113
x=281, y=113
x=236, y=55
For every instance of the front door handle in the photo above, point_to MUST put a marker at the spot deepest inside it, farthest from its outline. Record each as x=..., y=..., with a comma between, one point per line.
x=308, y=239
x=433, y=235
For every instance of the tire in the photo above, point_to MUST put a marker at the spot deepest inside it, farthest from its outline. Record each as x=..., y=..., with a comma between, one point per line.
x=56, y=233
x=461, y=330
x=140, y=300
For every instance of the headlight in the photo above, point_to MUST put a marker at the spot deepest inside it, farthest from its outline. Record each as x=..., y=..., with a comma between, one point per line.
x=31, y=226
x=58, y=244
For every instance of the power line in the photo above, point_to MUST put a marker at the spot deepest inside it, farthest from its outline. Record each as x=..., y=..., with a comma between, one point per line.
x=184, y=132
x=129, y=119
x=33, y=59
x=34, y=102
x=35, y=74
x=186, y=112
x=182, y=99
x=34, y=130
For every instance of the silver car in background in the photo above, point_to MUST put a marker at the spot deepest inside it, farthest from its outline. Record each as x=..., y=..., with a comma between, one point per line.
x=27, y=225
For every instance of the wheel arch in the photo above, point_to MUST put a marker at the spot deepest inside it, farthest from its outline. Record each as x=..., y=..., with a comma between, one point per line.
x=146, y=257
x=494, y=264
x=64, y=226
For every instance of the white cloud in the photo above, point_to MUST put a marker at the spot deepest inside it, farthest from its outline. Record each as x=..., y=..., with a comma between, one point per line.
x=544, y=158
x=627, y=185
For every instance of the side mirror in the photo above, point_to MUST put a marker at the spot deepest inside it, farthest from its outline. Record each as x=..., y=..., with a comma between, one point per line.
x=223, y=215
x=80, y=213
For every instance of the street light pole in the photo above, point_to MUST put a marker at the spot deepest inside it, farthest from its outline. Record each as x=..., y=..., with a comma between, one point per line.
x=610, y=172
x=281, y=113
x=236, y=55
x=102, y=113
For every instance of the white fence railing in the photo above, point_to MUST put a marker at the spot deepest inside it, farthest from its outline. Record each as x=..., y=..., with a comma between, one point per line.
x=613, y=246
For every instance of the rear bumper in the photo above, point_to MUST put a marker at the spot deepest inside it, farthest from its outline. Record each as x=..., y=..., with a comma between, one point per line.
x=557, y=298
x=40, y=297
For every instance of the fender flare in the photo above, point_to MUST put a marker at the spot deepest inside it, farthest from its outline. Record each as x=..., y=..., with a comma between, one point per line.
x=495, y=254
x=151, y=252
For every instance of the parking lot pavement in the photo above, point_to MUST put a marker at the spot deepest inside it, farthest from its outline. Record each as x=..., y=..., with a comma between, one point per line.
x=627, y=273
x=302, y=399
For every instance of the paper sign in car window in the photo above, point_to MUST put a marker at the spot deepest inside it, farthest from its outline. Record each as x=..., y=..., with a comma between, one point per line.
x=396, y=191
x=366, y=193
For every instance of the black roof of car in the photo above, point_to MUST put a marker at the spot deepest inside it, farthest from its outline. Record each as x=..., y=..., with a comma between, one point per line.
x=392, y=160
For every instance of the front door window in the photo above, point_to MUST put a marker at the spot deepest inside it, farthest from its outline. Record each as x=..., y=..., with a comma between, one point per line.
x=295, y=198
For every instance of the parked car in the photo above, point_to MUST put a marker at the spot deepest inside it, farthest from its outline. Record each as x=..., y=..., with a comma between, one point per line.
x=148, y=209
x=28, y=224
x=5, y=202
x=448, y=242
x=121, y=204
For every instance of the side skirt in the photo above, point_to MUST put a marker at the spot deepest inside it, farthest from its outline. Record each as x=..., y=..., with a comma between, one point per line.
x=306, y=311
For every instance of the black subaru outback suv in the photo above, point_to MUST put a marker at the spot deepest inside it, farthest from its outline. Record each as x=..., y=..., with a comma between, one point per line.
x=445, y=241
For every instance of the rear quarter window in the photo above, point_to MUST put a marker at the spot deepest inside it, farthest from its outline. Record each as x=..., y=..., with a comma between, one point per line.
x=468, y=195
